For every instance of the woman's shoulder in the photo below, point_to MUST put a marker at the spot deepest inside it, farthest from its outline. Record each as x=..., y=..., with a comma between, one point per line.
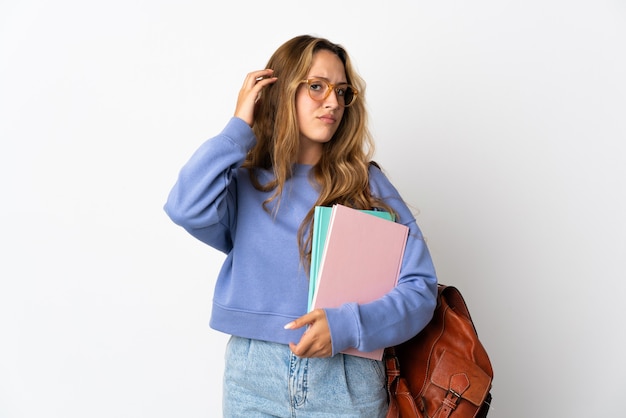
x=382, y=187
x=377, y=176
x=380, y=184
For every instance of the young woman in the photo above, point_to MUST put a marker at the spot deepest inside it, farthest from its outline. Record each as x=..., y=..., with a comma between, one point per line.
x=298, y=138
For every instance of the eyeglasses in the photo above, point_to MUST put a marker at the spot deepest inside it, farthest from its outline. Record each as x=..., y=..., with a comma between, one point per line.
x=320, y=90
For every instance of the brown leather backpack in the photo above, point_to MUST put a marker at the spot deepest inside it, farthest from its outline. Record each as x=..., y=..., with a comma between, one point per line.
x=444, y=371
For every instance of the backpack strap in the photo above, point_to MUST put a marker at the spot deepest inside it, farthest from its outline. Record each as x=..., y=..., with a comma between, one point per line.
x=393, y=374
x=392, y=366
x=458, y=384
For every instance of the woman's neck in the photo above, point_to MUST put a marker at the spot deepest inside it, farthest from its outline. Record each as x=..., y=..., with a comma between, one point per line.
x=309, y=153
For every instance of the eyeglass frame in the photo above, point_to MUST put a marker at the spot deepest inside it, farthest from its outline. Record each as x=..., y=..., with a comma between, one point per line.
x=331, y=87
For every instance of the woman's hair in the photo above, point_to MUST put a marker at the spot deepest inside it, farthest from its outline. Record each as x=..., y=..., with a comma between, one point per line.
x=342, y=171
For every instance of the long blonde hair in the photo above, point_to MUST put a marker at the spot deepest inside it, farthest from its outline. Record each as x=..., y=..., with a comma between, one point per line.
x=342, y=171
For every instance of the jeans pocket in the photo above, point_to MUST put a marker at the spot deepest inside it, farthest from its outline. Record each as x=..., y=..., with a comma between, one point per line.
x=379, y=367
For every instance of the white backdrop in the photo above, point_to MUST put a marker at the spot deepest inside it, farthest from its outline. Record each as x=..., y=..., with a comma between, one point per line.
x=502, y=122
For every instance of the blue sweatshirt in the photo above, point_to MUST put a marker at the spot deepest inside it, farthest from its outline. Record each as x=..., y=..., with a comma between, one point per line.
x=262, y=284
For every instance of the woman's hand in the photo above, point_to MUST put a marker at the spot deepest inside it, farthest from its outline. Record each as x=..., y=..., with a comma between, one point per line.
x=316, y=341
x=249, y=93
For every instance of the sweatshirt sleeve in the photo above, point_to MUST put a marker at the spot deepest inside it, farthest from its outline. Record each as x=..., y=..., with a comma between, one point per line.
x=405, y=310
x=203, y=198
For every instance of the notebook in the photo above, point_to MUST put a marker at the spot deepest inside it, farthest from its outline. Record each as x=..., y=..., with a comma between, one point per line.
x=321, y=219
x=360, y=261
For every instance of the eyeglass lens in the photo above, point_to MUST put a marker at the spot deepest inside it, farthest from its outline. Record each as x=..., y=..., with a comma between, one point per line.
x=320, y=90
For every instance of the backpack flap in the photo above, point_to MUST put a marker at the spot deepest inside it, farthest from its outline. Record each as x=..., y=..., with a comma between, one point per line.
x=461, y=377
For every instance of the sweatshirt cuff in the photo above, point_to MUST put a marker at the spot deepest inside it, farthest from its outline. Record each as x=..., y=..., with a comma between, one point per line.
x=343, y=326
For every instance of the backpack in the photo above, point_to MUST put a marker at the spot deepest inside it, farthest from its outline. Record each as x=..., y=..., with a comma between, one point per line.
x=444, y=371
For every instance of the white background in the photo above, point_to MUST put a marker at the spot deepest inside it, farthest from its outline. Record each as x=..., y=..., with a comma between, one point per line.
x=502, y=122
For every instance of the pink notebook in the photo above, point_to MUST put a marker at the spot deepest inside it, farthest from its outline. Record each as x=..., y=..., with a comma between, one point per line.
x=360, y=263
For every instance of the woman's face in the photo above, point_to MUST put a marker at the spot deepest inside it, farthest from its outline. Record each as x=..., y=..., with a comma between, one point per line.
x=319, y=120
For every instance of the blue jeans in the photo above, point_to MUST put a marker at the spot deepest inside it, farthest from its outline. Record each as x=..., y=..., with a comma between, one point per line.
x=263, y=379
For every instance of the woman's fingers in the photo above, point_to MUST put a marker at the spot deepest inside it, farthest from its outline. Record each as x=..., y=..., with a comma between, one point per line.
x=249, y=93
x=316, y=341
